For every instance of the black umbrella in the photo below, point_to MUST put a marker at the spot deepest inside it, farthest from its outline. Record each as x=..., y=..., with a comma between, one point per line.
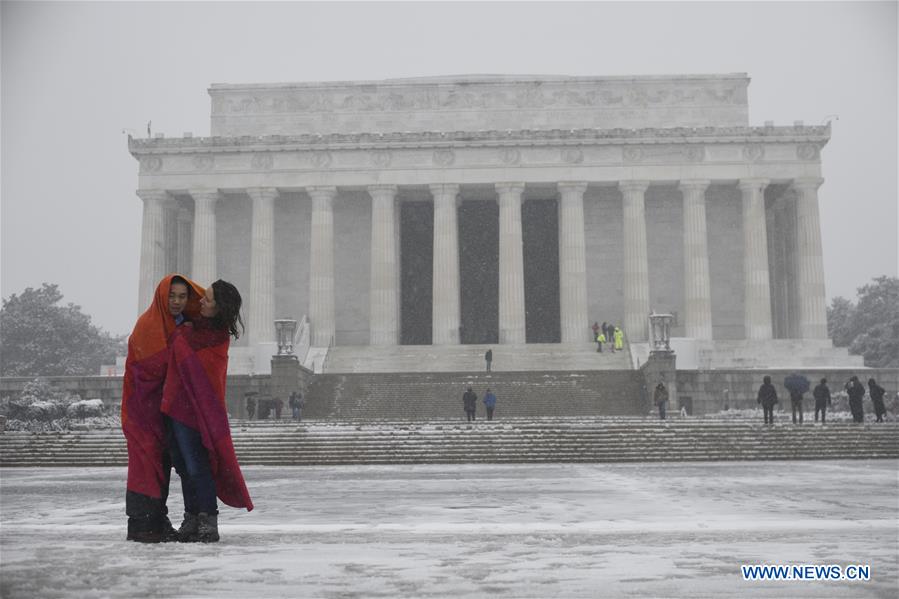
x=796, y=383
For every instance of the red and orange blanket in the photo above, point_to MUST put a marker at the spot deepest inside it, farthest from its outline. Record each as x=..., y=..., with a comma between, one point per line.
x=180, y=372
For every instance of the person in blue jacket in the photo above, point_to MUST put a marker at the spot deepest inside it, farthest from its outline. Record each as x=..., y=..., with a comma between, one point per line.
x=489, y=403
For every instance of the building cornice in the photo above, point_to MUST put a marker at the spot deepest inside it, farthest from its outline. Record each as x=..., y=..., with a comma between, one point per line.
x=816, y=135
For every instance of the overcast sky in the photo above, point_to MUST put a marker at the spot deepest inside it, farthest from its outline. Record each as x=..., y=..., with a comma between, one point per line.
x=74, y=75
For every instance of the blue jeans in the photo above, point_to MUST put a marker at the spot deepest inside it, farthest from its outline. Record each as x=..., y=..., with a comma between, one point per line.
x=191, y=461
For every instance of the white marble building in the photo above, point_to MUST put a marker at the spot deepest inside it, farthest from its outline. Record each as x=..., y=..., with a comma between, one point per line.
x=505, y=210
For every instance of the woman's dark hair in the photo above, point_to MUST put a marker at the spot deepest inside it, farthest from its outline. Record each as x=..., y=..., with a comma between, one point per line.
x=767, y=380
x=228, y=302
x=176, y=280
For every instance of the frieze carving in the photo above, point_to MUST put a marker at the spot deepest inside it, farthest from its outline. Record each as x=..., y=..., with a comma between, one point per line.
x=444, y=157
x=262, y=161
x=520, y=95
x=632, y=154
x=753, y=152
x=204, y=162
x=150, y=164
x=510, y=155
x=694, y=153
x=572, y=155
x=807, y=152
x=321, y=159
x=381, y=158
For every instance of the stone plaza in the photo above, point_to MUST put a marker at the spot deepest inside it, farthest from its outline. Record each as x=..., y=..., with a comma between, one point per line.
x=468, y=530
x=421, y=215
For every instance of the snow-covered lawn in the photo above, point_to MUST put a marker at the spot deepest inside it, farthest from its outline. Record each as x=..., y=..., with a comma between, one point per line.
x=604, y=530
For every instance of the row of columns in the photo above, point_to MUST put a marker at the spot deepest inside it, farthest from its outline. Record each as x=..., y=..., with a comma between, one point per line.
x=385, y=261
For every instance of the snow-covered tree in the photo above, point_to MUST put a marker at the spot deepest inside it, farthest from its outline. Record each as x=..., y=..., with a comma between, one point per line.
x=871, y=327
x=40, y=337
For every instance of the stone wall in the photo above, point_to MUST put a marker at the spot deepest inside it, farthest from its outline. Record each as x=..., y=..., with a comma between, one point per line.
x=706, y=387
x=473, y=103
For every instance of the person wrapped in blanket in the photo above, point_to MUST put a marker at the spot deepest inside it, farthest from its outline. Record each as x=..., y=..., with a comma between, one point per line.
x=173, y=411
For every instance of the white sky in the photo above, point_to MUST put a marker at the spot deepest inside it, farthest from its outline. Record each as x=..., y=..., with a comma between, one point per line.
x=74, y=75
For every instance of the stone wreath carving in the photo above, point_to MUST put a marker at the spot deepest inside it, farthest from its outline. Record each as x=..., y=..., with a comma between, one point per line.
x=444, y=157
x=204, y=162
x=262, y=161
x=573, y=155
x=807, y=152
x=381, y=158
x=510, y=155
x=321, y=159
x=632, y=154
x=753, y=152
x=150, y=164
x=695, y=154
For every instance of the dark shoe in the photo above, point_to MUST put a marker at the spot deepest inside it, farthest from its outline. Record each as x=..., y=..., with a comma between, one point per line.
x=189, y=531
x=167, y=531
x=144, y=529
x=207, y=528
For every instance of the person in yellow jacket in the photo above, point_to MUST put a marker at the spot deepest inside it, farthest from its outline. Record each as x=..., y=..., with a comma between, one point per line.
x=600, y=339
x=619, y=339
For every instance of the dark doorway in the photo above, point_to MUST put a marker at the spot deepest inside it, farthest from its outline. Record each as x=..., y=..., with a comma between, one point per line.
x=416, y=271
x=479, y=271
x=540, y=235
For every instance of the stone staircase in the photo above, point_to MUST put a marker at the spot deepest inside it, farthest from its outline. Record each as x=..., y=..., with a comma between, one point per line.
x=508, y=441
x=470, y=358
x=425, y=396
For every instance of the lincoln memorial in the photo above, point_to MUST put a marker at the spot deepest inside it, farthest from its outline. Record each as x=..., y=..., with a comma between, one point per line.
x=495, y=211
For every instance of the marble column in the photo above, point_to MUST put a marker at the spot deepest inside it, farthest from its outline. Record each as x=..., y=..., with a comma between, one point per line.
x=171, y=236
x=572, y=263
x=261, y=323
x=697, y=284
x=184, y=242
x=511, y=264
x=204, y=268
x=812, y=301
x=757, y=287
x=152, y=245
x=384, y=294
x=321, y=270
x=446, y=303
x=636, y=265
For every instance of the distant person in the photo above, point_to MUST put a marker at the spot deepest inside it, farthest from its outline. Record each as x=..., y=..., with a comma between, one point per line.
x=278, y=404
x=296, y=404
x=619, y=339
x=489, y=403
x=797, y=385
x=469, y=404
x=488, y=358
x=856, y=392
x=877, y=392
x=595, y=329
x=767, y=397
x=822, y=400
x=600, y=340
x=250, y=400
x=660, y=399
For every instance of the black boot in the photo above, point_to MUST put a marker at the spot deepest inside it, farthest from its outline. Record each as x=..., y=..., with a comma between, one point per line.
x=208, y=527
x=190, y=529
x=151, y=529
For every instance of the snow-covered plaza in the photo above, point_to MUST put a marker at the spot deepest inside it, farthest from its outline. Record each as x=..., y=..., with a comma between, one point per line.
x=556, y=530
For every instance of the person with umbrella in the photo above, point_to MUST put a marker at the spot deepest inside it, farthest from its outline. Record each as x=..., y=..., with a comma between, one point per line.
x=796, y=384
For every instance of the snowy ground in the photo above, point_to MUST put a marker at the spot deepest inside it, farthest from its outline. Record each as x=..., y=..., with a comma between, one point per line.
x=603, y=530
